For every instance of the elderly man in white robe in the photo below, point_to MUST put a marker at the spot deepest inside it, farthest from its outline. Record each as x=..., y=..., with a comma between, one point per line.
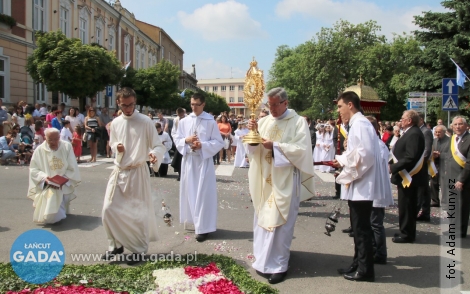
x=128, y=212
x=198, y=139
x=280, y=176
x=361, y=164
x=53, y=157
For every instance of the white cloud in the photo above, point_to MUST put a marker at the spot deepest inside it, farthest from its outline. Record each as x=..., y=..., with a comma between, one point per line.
x=211, y=69
x=355, y=11
x=222, y=21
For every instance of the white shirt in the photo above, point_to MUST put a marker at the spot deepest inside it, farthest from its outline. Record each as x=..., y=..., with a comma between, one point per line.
x=66, y=135
x=36, y=113
x=43, y=111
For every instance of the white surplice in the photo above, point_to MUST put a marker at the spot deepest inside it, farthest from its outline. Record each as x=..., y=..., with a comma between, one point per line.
x=383, y=178
x=198, y=190
x=317, y=152
x=240, y=160
x=128, y=211
x=279, y=180
x=51, y=205
x=361, y=162
x=166, y=141
x=328, y=151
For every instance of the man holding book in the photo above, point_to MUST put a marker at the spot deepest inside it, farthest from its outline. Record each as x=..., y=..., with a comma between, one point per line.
x=53, y=176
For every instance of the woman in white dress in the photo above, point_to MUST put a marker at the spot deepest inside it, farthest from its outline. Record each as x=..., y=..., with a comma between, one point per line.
x=240, y=160
x=319, y=144
x=328, y=152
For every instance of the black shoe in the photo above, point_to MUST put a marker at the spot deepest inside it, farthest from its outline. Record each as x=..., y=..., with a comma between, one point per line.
x=134, y=259
x=201, y=237
x=178, y=178
x=422, y=218
x=351, y=234
x=336, y=197
x=110, y=254
x=380, y=260
x=277, y=278
x=266, y=276
x=400, y=239
x=348, y=230
x=435, y=204
x=349, y=270
x=358, y=277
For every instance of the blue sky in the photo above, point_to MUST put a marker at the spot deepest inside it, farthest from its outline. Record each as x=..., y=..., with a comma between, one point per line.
x=222, y=37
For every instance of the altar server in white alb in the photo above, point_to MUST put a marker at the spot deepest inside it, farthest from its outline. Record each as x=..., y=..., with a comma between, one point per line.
x=53, y=157
x=361, y=165
x=280, y=176
x=128, y=211
x=198, y=139
x=240, y=133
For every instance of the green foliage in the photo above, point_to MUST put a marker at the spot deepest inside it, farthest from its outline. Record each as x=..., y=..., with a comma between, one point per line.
x=156, y=86
x=136, y=279
x=315, y=72
x=6, y=19
x=66, y=65
x=443, y=35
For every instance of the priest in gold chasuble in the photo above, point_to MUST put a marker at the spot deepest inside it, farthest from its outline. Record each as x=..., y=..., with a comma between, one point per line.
x=280, y=176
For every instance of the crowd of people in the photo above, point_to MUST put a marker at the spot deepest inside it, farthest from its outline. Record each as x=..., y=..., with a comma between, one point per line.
x=281, y=174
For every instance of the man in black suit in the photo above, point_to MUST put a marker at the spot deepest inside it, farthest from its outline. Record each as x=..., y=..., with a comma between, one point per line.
x=408, y=152
x=311, y=128
x=458, y=176
x=424, y=193
x=440, y=149
x=335, y=131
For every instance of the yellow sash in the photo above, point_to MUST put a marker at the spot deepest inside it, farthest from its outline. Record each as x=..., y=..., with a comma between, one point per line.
x=343, y=131
x=432, y=170
x=407, y=177
x=458, y=157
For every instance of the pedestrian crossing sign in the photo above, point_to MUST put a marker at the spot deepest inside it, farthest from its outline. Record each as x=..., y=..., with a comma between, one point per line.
x=449, y=103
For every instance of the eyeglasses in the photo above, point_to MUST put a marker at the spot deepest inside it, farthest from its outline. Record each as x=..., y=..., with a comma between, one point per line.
x=269, y=105
x=127, y=106
x=194, y=104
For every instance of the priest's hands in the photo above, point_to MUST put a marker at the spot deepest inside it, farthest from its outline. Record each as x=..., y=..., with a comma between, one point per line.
x=436, y=154
x=120, y=148
x=153, y=158
x=46, y=182
x=267, y=144
x=196, y=145
x=191, y=139
x=252, y=125
x=459, y=186
x=336, y=164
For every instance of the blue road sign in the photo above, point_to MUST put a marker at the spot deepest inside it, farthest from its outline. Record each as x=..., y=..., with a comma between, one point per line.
x=450, y=95
x=109, y=91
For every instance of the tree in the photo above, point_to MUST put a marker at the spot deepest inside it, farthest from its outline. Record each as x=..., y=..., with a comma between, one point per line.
x=214, y=103
x=70, y=67
x=156, y=86
x=314, y=73
x=443, y=35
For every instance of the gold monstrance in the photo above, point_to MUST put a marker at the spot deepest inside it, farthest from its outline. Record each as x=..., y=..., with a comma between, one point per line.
x=253, y=92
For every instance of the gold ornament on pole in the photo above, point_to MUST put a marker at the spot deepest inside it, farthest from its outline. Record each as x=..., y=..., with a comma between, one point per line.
x=253, y=95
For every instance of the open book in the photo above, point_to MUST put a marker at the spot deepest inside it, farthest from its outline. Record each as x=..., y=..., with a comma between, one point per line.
x=57, y=181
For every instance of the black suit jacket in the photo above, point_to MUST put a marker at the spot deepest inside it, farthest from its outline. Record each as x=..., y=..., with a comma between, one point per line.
x=441, y=145
x=408, y=150
x=454, y=170
x=428, y=138
x=313, y=136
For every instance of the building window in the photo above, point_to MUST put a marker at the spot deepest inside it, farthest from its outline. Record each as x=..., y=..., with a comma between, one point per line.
x=154, y=60
x=214, y=89
x=163, y=52
x=180, y=65
x=41, y=92
x=223, y=88
x=142, y=58
x=64, y=21
x=240, y=88
x=240, y=99
x=64, y=98
x=127, y=53
x=137, y=57
x=98, y=36
x=232, y=88
x=111, y=41
x=5, y=78
x=150, y=60
x=5, y=7
x=206, y=88
x=39, y=15
x=83, y=30
x=231, y=99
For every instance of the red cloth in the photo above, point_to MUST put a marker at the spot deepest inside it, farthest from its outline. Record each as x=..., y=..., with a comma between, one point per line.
x=385, y=137
x=77, y=144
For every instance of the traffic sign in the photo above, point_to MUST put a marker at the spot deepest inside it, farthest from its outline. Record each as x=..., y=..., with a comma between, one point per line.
x=416, y=104
x=450, y=95
x=416, y=99
x=424, y=94
x=109, y=91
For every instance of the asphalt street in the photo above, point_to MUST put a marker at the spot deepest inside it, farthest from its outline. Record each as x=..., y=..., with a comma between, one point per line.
x=315, y=257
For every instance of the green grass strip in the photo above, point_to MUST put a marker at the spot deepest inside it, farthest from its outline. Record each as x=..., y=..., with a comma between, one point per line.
x=136, y=279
